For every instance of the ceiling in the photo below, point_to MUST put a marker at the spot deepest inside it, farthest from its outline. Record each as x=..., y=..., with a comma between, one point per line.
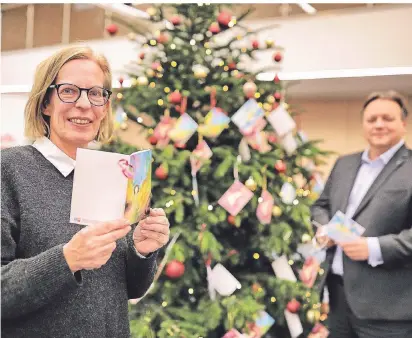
x=354, y=87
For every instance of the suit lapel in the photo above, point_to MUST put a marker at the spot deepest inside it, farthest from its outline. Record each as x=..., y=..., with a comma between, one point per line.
x=351, y=170
x=395, y=162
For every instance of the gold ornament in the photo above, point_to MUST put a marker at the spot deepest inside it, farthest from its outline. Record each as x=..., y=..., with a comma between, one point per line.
x=151, y=11
x=142, y=81
x=271, y=99
x=313, y=316
x=251, y=184
x=324, y=308
x=267, y=107
x=269, y=43
x=150, y=72
x=276, y=211
x=306, y=238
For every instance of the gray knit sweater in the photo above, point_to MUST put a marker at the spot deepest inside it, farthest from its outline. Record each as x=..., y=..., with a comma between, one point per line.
x=40, y=297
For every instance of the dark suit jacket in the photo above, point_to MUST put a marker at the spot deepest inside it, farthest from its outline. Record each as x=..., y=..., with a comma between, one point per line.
x=383, y=292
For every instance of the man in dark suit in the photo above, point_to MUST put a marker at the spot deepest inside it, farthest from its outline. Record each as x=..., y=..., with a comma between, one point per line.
x=370, y=279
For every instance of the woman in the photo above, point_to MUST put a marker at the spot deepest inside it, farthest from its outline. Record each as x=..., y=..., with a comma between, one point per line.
x=60, y=279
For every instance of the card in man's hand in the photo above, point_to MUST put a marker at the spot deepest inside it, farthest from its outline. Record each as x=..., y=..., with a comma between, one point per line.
x=343, y=229
x=109, y=186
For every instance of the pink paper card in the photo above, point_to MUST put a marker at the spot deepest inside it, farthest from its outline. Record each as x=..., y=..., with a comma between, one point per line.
x=319, y=331
x=183, y=130
x=215, y=122
x=235, y=198
x=249, y=117
x=259, y=141
x=199, y=156
x=264, y=208
x=233, y=333
x=162, y=130
x=309, y=271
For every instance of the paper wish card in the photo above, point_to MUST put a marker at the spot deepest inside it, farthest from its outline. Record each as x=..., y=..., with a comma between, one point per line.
x=109, y=186
x=249, y=117
x=319, y=331
x=201, y=154
x=281, y=121
x=294, y=324
x=162, y=130
x=343, y=229
x=289, y=143
x=233, y=333
x=263, y=323
x=223, y=281
x=183, y=130
x=235, y=198
x=215, y=122
x=283, y=270
x=264, y=208
x=309, y=271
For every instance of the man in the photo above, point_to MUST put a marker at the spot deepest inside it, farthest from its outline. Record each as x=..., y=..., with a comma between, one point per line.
x=370, y=279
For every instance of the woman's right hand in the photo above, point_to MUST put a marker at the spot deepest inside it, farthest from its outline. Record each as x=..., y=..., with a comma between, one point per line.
x=93, y=246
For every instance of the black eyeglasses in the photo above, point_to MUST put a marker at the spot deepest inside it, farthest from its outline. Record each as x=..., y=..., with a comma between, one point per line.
x=70, y=93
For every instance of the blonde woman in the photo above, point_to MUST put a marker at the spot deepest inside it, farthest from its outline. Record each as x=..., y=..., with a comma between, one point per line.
x=60, y=279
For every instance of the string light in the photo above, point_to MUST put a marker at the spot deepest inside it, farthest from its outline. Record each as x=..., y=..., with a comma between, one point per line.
x=260, y=104
x=160, y=102
x=208, y=52
x=194, y=192
x=190, y=291
x=308, y=294
x=257, y=95
x=173, y=192
x=260, y=199
x=173, y=46
x=295, y=202
x=119, y=96
x=225, y=68
x=273, y=299
x=139, y=119
x=210, y=207
x=152, y=85
x=321, y=272
x=290, y=179
x=173, y=63
x=256, y=255
x=221, y=63
x=164, y=304
x=225, y=88
x=153, y=42
x=244, y=50
x=193, y=42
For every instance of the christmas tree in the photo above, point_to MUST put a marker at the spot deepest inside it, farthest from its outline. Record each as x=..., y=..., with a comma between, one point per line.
x=234, y=175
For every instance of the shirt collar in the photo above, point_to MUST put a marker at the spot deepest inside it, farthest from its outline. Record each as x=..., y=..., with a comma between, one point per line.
x=386, y=156
x=63, y=163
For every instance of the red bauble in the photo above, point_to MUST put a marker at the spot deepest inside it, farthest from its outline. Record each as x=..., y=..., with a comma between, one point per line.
x=293, y=306
x=277, y=96
x=232, y=66
x=276, y=79
x=161, y=173
x=272, y=139
x=141, y=55
x=174, y=269
x=255, y=44
x=162, y=38
x=176, y=20
x=214, y=28
x=153, y=140
x=112, y=29
x=277, y=57
x=224, y=18
x=121, y=81
x=175, y=97
x=231, y=219
x=280, y=166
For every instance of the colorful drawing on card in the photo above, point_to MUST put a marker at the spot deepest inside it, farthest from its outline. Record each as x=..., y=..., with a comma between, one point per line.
x=215, y=122
x=183, y=130
x=249, y=117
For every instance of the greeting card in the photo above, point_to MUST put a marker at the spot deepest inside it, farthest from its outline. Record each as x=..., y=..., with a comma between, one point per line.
x=264, y=208
x=223, y=281
x=309, y=271
x=162, y=130
x=249, y=117
x=319, y=331
x=235, y=198
x=215, y=122
x=201, y=154
x=183, y=130
x=109, y=186
x=281, y=121
x=343, y=229
x=263, y=323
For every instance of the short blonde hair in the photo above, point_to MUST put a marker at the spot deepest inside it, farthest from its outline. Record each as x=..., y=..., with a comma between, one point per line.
x=36, y=123
x=389, y=95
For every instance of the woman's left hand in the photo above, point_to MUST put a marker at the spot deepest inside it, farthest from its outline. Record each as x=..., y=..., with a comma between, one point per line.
x=152, y=233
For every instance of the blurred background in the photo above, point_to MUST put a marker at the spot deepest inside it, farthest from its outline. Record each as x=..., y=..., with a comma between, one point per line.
x=335, y=55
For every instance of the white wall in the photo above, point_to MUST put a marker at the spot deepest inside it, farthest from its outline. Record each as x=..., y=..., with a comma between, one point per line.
x=12, y=115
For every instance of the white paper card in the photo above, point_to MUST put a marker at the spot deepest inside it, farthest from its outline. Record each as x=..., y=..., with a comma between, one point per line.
x=283, y=270
x=223, y=281
x=294, y=324
x=98, y=187
x=289, y=143
x=281, y=121
x=287, y=193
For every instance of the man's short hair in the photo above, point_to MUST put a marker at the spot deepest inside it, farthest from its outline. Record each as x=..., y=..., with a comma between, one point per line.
x=390, y=95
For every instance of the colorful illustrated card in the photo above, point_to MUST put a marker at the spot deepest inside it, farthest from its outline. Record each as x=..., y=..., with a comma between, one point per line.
x=309, y=271
x=258, y=140
x=343, y=229
x=162, y=130
x=281, y=121
x=183, y=130
x=109, y=186
x=264, y=208
x=215, y=122
x=249, y=117
x=319, y=331
x=201, y=154
x=235, y=198
x=263, y=323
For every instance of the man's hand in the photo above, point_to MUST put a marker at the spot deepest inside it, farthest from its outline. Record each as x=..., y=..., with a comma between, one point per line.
x=356, y=250
x=322, y=239
x=92, y=246
x=152, y=233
